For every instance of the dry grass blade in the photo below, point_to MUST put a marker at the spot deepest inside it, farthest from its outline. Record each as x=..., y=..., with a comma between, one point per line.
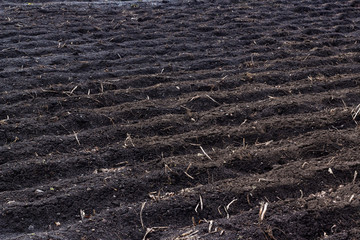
x=82, y=214
x=263, y=208
x=189, y=175
x=212, y=99
x=228, y=206
x=188, y=235
x=4, y=121
x=355, y=112
x=210, y=225
x=128, y=140
x=196, y=208
x=355, y=175
x=153, y=229
x=227, y=213
x=101, y=87
x=205, y=153
x=76, y=137
x=167, y=168
x=200, y=204
x=187, y=169
x=141, y=211
x=72, y=91
x=186, y=173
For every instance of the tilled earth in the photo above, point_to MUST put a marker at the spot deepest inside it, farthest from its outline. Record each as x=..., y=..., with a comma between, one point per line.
x=180, y=120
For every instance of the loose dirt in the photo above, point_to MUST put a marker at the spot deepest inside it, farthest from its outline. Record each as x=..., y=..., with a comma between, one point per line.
x=180, y=120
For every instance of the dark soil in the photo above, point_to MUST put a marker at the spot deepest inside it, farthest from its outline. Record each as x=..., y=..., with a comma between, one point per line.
x=179, y=120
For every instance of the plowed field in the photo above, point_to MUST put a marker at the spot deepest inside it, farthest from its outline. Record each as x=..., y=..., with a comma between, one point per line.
x=180, y=120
